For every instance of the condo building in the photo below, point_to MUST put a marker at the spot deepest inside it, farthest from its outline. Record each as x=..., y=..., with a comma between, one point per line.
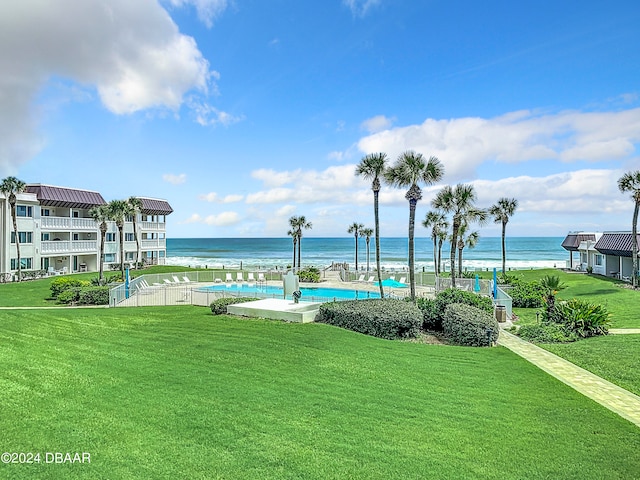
x=57, y=234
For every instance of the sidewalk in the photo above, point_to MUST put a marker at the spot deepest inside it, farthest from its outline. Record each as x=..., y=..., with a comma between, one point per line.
x=616, y=399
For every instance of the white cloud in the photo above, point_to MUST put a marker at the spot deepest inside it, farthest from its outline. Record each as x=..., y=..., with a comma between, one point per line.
x=194, y=218
x=463, y=144
x=132, y=53
x=174, y=179
x=206, y=114
x=359, y=8
x=377, y=123
x=223, y=219
x=215, y=198
x=208, y=10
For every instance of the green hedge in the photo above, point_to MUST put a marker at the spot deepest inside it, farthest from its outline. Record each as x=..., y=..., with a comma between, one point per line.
x=389, y=318
x=546, y=333
x=219, y=306
x=60, y=284
x=468, y=325
x=94, y=296
x=433, y=310
x=309, y=274
x=527, y=294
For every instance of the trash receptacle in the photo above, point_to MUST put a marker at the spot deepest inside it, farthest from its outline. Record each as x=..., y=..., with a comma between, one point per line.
x=501, y=313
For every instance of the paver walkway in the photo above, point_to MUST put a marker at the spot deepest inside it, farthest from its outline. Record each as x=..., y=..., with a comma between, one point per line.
x=624, y=331
x=616, y=399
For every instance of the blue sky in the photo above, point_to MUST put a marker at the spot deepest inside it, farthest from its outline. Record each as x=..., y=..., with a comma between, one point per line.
x=242, y=113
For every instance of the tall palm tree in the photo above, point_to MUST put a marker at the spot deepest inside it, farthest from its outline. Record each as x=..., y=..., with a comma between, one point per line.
x=135, y=207
x=297, y=224
x=438, y=223
x=101, y=216
x=460, y=203
x=10, y=187
x=366, y=233
x=465, y=239
x=410, y=170
x=294, y=237
x=372, y=167
x=630, y=182
x=501, y=212
x=118, y=210
x=355, y=228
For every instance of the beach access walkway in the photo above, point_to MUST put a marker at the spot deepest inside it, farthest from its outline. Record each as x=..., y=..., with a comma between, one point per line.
x=616, y=399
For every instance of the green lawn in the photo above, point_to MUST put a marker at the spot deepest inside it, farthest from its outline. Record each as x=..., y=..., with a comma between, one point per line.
x=175, y=392
x=614, y=357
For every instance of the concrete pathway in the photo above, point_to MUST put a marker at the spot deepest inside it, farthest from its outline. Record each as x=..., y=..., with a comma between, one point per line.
x=624, y=331
x=616, y=399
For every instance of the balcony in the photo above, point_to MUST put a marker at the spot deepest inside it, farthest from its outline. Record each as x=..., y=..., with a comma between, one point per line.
x=155, y=244
x=152, y=226
x=66, y=247
x=68, y=223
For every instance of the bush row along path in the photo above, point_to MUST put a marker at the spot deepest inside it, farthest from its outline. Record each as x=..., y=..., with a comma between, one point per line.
x=616, y=399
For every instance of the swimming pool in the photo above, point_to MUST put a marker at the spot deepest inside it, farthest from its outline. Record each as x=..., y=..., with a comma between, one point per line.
x=308, y=293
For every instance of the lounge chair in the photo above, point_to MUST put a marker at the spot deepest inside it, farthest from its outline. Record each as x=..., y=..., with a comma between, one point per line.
x=370, y=279
x=176, y=279
x=186, y=280
x=392, y=277
x=168, y=282
x=228, y=278
x=240, y=277
x=261, y=277
x=217, y=280
x=361, y=278
x=403, y=280
x=251, y=278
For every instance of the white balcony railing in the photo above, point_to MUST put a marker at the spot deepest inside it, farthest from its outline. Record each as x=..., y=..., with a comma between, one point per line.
x=67, y=223
x=65, y=246
x=155, y=244
x=152, y=226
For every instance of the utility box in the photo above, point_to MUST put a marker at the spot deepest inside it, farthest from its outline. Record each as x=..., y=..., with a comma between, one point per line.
x=500, y=313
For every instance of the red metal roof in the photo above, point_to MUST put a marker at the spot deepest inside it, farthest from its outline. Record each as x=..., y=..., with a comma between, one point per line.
x=572, y=241
x=618, y=244
x=49, y=196
x=153, y=206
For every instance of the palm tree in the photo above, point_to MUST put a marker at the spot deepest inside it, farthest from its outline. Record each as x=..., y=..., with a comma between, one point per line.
x=355, y=228
x=118, y=210
x=409, y=170
x=297, y=224
x=101, y=215
x=442, y=236
x=135, y=207
x=372, y=167
x=366, y=233
x=460, y=202
x=503, y=209
x=630, y=182
x=465, y=239
x=438, y=223
x=294, y=237
x=10, y=187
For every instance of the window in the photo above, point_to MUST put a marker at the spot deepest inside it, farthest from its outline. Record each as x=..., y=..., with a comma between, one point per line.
x=129, y=237
x=583, y=257
x=24, y=237
x=25, y=263
x=128, y=218
x=598, y=259
x=44, y=237
x=76, y=237
x=75, y=214
x=24, y=211
x=109, y=257
x=130, y=256
x=46, y=212
x=110, y=237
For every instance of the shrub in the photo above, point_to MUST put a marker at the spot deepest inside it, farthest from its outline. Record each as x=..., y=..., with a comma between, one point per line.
x=583, y=318
x=429, y=313
x=61, y=284
x=384, y=318
x=109, y=278
x=453, y=295
x=70, y=295
x=94, y=296
x=527, y=294
x=546, y=333
x=468, y=325
x=219, y=306
x=309, y=274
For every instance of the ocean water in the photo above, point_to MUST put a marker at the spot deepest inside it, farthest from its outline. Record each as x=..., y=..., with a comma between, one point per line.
x=269, y=253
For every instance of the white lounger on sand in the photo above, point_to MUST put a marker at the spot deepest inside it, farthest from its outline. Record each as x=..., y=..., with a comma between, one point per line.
x=261, y=277
x=229, y=278
x=361, y=279
x=186, y=280
x=370, y=279
x=239, y=277
x=403, y=280
x=251, y=278
x=176, y=279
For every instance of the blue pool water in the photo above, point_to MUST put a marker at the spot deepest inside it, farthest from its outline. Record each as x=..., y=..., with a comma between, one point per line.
x=308, y=293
